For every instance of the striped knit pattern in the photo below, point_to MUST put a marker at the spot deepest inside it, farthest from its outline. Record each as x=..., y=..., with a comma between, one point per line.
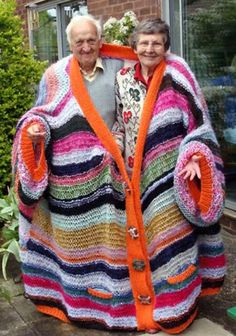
x=76, y=203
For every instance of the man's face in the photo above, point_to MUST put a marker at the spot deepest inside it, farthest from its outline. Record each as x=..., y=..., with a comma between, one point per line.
x=150, y=49
x=85, y=44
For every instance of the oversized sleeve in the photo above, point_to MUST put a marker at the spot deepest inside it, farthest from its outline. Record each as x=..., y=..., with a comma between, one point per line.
x=29, y=164
x=201, y=201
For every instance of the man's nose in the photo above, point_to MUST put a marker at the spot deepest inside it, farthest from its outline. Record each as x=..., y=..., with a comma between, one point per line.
x=86, y=46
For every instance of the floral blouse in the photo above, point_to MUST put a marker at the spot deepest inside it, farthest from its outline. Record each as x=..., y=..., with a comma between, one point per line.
x=130, y=94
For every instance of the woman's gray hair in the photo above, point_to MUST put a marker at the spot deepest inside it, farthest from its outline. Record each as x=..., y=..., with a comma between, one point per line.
x=79, y=19
x=151, y=26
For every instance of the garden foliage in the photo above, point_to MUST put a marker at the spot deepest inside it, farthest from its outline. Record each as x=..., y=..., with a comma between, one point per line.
x=19, y=74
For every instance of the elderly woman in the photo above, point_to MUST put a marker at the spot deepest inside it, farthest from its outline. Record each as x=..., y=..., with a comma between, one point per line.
x=175, y=251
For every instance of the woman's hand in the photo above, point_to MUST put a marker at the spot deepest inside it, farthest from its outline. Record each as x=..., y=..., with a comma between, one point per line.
x=36, y=133
x=192, y=168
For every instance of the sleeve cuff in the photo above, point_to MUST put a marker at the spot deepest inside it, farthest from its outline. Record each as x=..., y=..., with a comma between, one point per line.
x=201, y=203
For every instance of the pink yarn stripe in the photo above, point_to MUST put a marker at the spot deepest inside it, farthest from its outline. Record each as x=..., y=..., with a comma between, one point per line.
x=179, y=66
x=54, y=85
x=206, y=262
x=78, y=302
x=174, y=298
x=26, y=210
x=171, y=99
x=162, y=148
x=83, y=140
x=83, y=178
x=62, y=104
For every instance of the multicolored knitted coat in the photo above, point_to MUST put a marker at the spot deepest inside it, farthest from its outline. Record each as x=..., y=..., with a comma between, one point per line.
x=104, y=250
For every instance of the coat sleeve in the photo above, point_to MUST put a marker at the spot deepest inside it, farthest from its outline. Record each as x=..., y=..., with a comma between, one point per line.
x=201, y=201
x=29, y=164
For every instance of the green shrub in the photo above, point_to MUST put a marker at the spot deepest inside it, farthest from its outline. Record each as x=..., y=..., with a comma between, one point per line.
x=19, y=73
x=9, y=215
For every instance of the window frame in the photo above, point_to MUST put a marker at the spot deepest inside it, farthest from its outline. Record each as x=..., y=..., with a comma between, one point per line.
x=43, y=5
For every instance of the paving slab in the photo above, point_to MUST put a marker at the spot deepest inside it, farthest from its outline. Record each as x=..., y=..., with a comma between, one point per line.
x=9, y=318
x=202, y=327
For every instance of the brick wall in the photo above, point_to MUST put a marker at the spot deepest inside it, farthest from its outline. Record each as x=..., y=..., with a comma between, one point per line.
x=106, y=8
x=22, y=12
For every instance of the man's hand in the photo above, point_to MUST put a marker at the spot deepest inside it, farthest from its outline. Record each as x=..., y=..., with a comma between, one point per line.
x=192, y=168
x=36, y=133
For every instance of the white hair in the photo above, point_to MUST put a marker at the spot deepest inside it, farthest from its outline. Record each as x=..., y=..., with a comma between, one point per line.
x=78, y=19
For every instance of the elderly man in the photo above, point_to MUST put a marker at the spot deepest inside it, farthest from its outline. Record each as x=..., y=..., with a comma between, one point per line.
x=72, y=225
x=85, y=41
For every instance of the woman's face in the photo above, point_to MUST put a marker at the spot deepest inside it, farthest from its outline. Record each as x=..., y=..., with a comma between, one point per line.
x=150, y=50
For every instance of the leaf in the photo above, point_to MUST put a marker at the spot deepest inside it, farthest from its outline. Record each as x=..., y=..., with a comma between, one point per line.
x=14, y=249
x=4, y=264
x=3, y=203
x=6, y=210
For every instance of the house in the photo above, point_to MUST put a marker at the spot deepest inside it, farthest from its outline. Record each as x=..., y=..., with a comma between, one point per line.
x=203, y=32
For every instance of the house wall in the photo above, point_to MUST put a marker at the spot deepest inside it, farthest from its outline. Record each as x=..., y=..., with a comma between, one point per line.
x=116, y=8
x=106, y=8
x=22, y=12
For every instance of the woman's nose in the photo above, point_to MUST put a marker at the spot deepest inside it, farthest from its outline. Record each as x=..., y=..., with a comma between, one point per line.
x=150, y=46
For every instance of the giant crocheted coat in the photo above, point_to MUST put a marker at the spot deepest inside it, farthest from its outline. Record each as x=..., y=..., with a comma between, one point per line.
x=104, y=250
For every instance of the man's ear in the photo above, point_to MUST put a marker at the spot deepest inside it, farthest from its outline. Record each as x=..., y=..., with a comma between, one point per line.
x=100, y=43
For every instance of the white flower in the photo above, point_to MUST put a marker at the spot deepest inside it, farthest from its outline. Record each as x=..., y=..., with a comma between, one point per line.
x=132, y=16
x=118, y=31
x=124, y=29
x=110, y=22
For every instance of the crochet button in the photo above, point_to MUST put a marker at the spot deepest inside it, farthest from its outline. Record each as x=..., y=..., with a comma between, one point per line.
x=144, y=299
x=133, y=231
x=138, y=265
x=127, y=188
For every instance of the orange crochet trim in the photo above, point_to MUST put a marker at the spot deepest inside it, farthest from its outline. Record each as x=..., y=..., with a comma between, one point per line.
x=140, y=281
x=183, y=326
x=181, y=277
x=117, y=51
x=204, y=196
x=210, y=291
x=55, y=312
x=144, y=313
x=99, y=294
x=37, y=171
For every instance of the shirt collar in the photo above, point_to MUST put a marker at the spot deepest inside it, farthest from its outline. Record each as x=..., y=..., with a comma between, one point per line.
x=98, y=65
x=139, y=77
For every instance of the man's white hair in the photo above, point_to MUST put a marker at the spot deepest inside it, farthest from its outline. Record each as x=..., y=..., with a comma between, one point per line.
x=79, y=19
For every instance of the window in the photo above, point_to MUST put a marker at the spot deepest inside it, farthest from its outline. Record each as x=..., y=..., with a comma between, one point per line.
x=47, y=24
x=208, y=40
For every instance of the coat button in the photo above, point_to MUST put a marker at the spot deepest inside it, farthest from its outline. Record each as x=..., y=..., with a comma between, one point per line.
x=127, y=188
x=145, y=299
x=133, y=231
x=138, y=265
